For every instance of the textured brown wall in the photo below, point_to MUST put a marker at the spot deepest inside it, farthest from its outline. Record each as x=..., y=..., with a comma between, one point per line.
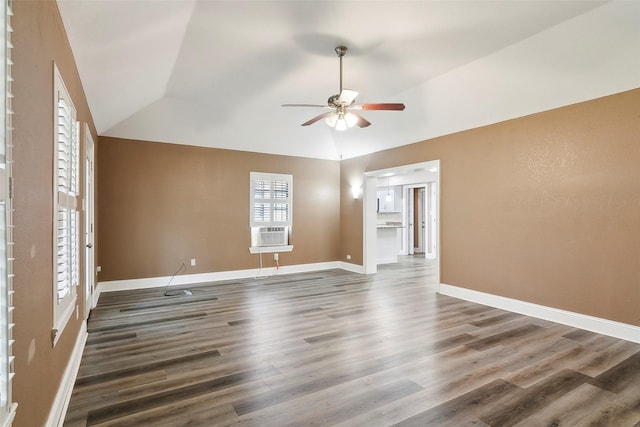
x=163, y=204
x=544, y=209
x=39, y=39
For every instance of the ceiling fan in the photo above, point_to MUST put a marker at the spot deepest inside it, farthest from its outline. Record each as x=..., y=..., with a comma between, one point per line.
x=342, y=108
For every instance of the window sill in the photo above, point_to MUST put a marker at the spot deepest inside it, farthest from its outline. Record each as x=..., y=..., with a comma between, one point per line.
x=270, y=249
x=60, y=323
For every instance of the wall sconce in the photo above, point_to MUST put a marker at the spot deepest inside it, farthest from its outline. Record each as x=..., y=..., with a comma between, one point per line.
x=355, y=192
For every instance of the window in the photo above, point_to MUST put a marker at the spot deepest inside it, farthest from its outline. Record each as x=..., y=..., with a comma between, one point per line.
x=270, y=208
x=7, y=407
x=271, y=200
x=66, y=215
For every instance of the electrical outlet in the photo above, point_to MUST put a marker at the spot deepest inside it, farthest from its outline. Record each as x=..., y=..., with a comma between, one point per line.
x=276, y=256
x=193, y=262
x=348, y=256
x=98, y=269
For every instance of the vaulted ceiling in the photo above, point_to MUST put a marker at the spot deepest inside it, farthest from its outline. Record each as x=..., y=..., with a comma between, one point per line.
x=215, y=73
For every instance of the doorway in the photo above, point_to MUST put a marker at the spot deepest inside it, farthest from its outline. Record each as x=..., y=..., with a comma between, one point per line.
x=415, y=213
x=422, y=219
x=89, y=219
x=421, y=187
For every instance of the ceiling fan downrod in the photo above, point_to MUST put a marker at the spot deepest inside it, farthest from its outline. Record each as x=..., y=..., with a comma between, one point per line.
x=341, y=51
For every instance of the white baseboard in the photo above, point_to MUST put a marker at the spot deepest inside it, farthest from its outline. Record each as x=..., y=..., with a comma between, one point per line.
x=63, y=396
x=8, y=421
x=354, y=268
x=577, y=320
x=190, y=279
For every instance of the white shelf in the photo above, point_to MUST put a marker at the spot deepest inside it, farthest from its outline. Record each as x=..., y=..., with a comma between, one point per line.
x=270, y=249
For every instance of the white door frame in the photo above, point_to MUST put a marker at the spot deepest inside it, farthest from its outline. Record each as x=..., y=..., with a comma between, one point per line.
x=412, y=174
x=409, y=224
x=412, y=245
x=432, y=217
x=370, y=232
x=89, y=221
x=421, y=219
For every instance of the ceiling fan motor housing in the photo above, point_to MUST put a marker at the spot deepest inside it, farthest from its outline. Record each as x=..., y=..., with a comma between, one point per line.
x=333, y=101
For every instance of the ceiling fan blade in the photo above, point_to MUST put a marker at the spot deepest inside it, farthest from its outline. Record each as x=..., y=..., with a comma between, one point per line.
x=347, y=96
x=305, y=105
x=316, y=118
x=387, y=106
x=362, y=122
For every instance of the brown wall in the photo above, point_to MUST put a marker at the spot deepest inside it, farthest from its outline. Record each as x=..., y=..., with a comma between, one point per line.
x=544, y=208
x=163, y=204
x=39, y=39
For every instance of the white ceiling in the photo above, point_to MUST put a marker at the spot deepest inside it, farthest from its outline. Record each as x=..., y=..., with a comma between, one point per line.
x=215, y=73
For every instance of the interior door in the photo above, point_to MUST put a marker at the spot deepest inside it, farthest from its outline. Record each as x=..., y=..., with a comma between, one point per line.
x=89, y=259
x=410, y=221
x=420, y=220
x=417, y=222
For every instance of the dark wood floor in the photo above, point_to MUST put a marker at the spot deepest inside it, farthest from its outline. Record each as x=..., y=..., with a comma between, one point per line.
x=337, y=348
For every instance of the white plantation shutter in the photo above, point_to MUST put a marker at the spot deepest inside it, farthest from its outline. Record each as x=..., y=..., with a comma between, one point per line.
x=261, y=210
x=7, y=407
x=271, y=200
x=64, y=143
x=67, y=215
x=62, y=254
x=281, y=201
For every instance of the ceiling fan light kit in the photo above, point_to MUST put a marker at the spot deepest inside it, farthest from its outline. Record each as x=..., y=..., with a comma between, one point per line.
x=341, y=121
x=342, y=105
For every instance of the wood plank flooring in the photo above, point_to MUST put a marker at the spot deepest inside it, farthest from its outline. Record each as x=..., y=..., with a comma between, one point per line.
x=334, y=348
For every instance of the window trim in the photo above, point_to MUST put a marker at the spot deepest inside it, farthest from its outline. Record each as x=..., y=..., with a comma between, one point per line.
x=63, y=310
x=7, y=406
x=273, y=178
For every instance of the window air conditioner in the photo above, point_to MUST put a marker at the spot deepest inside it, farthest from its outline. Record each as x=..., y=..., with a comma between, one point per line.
x=272, y=236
